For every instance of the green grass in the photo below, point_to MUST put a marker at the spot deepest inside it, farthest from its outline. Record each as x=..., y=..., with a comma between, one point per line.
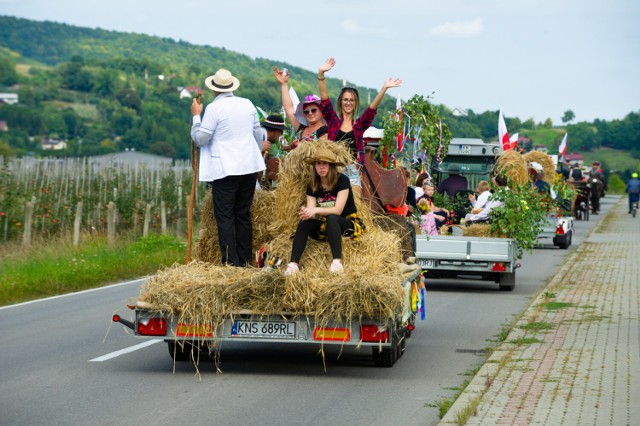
x=554, y=306
x=524, y=341
x=53, y=269
x=535, y=326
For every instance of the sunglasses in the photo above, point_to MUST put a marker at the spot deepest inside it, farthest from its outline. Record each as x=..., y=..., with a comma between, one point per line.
x=310, y=111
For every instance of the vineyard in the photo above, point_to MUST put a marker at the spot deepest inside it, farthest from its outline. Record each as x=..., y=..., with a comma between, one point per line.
x=43, y=198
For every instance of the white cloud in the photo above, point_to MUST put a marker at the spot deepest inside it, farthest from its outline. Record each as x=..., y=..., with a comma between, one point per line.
x=351, y=26
x=458, y=29
x=354, y=28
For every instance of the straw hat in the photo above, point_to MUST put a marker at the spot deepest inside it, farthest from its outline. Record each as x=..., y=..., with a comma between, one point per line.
x=222, y=81
x=324, y=155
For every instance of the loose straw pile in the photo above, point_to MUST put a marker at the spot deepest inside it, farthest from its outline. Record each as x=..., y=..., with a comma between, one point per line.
x=205, y=292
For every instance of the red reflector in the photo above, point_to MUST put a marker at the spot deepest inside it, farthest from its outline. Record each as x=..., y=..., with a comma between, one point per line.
x=498, y=267
x=152, y=326
x=559, y=230
x=116, y=318
x=411, y=327
x=371, y=333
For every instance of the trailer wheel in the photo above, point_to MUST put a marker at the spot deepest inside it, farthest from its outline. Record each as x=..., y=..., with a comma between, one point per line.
x=507, y=281
x=566, y=242
x=388, y=355
x=182, y=351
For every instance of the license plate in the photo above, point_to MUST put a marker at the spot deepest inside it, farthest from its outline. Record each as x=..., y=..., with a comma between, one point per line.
x=465, y=149
x=425, y=263
x=264, y=329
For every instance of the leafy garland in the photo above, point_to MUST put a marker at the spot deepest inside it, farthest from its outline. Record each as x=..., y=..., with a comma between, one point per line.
x=418, y=122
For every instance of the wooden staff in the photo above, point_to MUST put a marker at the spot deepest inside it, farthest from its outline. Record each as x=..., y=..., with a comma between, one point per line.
x=195, y=154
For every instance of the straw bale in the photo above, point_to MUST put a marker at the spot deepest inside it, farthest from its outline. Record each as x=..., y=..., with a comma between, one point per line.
x=477, y=230
x=545, y=161
x=513, y=165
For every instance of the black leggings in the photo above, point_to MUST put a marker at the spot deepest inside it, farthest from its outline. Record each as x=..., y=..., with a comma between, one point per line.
x=336, y=227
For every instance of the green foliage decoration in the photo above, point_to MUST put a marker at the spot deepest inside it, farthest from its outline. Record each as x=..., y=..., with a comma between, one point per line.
x=520, y=217
x=421, y=122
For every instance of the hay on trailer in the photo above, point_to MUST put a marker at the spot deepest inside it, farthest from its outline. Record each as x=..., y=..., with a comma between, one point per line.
x=513, y=166
x=548, y=168
x=477, y=230
x=205, y=292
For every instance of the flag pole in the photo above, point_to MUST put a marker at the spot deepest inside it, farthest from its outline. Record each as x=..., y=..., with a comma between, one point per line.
x=195, y=154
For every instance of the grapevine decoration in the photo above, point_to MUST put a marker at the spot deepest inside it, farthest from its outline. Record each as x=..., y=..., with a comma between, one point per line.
x=417, y=122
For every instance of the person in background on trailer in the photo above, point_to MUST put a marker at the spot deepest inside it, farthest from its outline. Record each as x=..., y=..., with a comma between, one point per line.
x=633, y=189
x=306, y=118
x=344, y=125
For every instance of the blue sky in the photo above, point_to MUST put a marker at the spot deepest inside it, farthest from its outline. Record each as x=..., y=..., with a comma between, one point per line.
x=529, y=58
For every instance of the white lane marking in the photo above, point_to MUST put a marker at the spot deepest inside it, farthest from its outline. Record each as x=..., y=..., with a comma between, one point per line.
x=73, y=294
x=125, y=350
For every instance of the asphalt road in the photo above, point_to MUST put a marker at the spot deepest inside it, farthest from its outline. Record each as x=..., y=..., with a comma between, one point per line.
x=62, y=363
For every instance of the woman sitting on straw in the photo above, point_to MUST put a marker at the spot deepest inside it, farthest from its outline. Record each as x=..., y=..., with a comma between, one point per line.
x=330, y=211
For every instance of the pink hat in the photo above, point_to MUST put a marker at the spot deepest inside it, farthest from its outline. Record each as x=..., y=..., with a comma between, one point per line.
x=309, y=99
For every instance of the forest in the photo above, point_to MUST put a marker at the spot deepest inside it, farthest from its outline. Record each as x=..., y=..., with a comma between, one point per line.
x=106, y=91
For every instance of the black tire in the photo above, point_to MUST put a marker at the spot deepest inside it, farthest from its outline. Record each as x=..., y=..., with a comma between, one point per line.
x=507, y=281
x=182, y=351
x=566, y=241
x=387, y=356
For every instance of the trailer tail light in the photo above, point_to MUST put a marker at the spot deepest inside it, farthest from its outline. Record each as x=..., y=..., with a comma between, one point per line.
x=332, y=334
x=152, y=326
x=371, y=333
x=499, y=267
x=560, y=229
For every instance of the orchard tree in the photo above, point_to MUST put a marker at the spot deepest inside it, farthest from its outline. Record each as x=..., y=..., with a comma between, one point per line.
x=568, y=116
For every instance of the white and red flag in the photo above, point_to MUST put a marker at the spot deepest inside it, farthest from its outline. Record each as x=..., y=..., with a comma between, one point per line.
x=503, y=135
x=563, y=146
x=513, y=140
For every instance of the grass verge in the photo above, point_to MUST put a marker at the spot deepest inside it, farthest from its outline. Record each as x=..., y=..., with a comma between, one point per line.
x=53, y=269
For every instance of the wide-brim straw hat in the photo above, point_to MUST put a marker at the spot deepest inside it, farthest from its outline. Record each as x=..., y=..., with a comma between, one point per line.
x=324, y=155
x=222, y=81
x=309, y=99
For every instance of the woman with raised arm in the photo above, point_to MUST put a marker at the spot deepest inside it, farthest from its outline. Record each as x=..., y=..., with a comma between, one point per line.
x=306, y=119
x=343, y=125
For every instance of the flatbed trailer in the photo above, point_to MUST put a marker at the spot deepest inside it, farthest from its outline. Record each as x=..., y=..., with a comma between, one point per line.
x=450, y=256
x=387, y=338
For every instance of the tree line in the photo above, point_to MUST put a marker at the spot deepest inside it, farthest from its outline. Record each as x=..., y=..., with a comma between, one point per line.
x=100, y=90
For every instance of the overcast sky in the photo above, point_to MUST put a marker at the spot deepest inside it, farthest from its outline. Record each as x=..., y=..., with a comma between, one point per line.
x=529, y=58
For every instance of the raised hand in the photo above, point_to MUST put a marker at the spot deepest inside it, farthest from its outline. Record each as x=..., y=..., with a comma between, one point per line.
x=328, y=64
x=392, y=82
x=282, y=77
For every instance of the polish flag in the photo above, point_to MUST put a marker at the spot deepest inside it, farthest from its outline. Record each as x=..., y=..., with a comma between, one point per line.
x=563, y=146
x=503, y=135
x=513, y=140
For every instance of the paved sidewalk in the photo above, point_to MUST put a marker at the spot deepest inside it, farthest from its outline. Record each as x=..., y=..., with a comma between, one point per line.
x=574, y=356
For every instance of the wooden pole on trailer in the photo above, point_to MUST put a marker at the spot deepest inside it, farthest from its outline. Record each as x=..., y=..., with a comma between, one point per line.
x=195, y=153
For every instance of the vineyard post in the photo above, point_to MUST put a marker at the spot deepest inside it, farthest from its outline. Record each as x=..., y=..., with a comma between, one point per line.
x=147, y=220
x=76, y=224
x=28, y=215
x=111, y=222
x=163, y=217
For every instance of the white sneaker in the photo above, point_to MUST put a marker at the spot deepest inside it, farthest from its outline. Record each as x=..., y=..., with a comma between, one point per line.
x=336, y=267
x=292, y=268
